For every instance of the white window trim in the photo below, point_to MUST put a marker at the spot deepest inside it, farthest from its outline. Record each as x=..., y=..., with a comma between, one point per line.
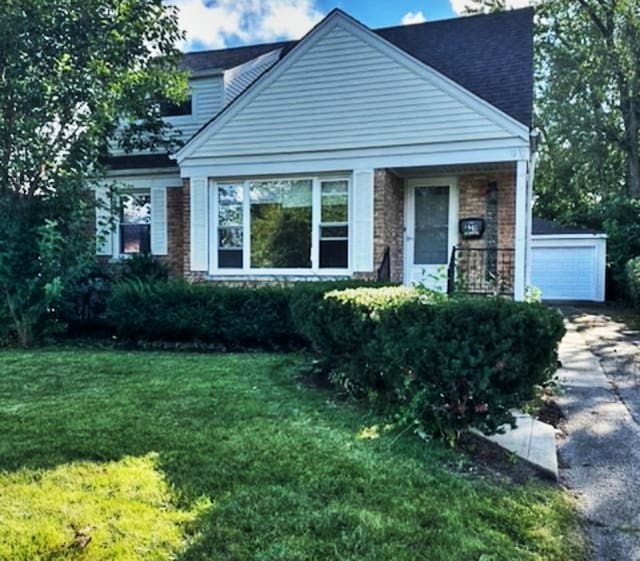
x=117, y=254
x=247, y=270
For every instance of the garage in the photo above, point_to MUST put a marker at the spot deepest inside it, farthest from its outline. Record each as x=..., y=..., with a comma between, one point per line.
x=568, y=263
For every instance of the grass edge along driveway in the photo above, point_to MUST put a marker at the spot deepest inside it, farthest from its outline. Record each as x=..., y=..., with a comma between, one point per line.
x=157, y=456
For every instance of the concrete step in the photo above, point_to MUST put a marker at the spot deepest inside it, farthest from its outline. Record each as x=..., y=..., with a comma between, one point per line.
x=531, y=440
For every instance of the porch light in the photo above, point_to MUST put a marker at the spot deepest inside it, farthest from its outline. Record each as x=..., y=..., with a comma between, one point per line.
x=471, y=228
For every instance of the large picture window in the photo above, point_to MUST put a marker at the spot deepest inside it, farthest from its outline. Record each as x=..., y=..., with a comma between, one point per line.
x=275, y=225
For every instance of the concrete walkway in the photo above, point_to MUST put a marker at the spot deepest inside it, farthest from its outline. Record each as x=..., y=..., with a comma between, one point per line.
x=600, y=455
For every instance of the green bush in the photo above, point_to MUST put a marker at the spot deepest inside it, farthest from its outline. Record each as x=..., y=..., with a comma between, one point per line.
x=233, y=317
x=448, y=364
x=178, y=311
x=632, y=274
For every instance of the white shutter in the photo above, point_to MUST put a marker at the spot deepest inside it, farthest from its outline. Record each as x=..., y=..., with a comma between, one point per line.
x=362, y=252
x=199, y=224
x=159, y=221
x=104, y=233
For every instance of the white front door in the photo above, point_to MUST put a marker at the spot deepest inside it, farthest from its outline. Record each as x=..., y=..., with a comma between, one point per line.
x=431, y=233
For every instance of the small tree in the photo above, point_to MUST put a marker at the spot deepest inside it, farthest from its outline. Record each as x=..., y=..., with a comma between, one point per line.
x=71, y=71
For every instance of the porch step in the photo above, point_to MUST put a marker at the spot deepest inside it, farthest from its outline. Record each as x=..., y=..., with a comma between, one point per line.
x=531, y=440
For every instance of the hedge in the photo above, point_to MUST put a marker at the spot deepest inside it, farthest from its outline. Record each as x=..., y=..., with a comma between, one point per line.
x=447, y=364
x=444, y=364
x=227, y=316
x=632, y=275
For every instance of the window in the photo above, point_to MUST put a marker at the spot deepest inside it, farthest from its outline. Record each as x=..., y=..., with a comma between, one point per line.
x=297, y=225
x=135, y=223
x=280, y=224
x=334, y=224
x=170, y=109
x=230, y=250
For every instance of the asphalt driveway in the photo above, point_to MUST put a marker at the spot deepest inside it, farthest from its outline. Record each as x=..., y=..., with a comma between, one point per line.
x=600, y=451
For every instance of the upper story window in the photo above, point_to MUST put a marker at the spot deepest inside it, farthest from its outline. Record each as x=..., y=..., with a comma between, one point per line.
x=281, y=225
x=170, y=109
x=135, y=223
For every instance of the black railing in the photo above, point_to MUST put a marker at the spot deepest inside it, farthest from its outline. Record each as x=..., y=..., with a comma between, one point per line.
x=384, y=270
x=486, y=270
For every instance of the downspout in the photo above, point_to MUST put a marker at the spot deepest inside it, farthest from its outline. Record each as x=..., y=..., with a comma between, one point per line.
x=534, y=141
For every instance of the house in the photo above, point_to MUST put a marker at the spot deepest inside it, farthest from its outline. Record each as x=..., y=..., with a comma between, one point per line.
x=400, y=153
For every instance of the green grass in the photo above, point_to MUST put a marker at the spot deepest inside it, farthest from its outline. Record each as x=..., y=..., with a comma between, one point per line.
x=230, y=457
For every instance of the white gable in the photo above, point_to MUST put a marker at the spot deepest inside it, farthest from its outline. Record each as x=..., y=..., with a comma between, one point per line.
x=344, y=88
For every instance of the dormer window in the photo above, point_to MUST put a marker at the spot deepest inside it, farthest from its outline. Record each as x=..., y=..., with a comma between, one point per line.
x=170, y=109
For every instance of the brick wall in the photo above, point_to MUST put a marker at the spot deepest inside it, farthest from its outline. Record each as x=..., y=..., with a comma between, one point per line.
x=388, y=221
x=174, y=258
x=474, y=191
x=473, y=201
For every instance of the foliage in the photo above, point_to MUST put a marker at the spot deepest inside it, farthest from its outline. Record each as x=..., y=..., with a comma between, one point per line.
x=633, y=281
x=230, y=316
x=448, y=364
x=178, y=311
x=484, y=6
x=280, y=463
x=588, y=107
x=72, y=71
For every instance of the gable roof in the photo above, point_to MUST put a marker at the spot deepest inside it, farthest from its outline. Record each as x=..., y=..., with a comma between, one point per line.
x=490, y=55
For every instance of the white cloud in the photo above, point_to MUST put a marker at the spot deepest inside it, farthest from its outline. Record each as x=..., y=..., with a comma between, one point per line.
x=413, y=17
x=459, y=5
x=212, y=24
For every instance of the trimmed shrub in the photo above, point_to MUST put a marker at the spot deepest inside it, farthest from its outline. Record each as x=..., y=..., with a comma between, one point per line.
x=232, y=317
x=182, y=312
x=447, y=364
x=632, y=274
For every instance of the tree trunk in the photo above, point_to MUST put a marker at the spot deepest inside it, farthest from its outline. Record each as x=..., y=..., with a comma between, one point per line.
x=634, y=151
x=20, y=324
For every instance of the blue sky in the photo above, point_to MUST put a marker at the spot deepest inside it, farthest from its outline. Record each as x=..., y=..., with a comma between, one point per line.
x=216, y=24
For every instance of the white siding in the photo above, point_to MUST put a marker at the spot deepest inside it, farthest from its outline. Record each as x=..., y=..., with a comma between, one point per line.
x=206, y=101
x=237, y=79
x=345, y=93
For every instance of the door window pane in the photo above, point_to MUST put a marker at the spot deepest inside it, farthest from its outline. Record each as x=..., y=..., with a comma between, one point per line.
x=431, y=242
x=230, y=233
x=280, y=224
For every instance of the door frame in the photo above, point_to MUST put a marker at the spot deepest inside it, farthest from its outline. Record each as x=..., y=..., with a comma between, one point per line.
x=409, y=216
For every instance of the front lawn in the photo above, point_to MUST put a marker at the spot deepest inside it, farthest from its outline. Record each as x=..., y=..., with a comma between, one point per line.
x=156, y=456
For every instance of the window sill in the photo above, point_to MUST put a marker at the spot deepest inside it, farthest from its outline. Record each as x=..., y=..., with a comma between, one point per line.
x=231, y=275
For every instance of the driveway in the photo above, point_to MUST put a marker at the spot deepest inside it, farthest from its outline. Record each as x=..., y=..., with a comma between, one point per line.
x=600, y=452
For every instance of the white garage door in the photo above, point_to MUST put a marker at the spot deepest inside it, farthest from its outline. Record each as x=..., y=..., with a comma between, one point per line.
x=566, y=273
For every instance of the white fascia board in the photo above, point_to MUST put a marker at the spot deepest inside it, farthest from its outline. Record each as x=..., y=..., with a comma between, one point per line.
x=334, y=19
x=389, y=157
x=143, y=172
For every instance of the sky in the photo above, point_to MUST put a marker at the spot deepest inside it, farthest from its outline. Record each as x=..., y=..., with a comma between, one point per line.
x=217, y=24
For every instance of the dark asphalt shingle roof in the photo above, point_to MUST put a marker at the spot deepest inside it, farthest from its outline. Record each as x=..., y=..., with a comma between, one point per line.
x=542, y=227
x=490, y=55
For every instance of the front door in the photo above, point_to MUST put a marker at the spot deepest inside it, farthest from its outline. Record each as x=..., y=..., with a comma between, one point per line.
x=430, y=231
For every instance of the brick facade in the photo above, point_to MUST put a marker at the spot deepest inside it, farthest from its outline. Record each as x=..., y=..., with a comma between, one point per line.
x=388, y=221
x=175, y=230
